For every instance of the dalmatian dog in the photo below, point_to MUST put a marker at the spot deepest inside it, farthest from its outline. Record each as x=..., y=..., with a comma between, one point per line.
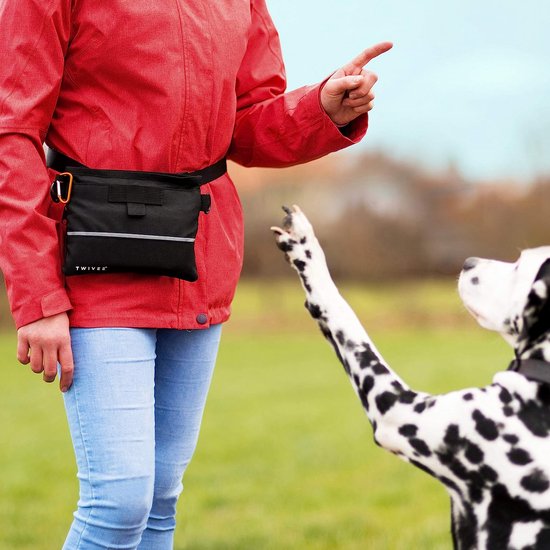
x=490, y=447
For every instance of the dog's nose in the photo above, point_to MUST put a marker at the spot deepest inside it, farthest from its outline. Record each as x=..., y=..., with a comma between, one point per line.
x=470, y=263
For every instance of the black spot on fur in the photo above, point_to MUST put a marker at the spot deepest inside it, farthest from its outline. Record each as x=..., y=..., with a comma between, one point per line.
x=305, y=282
x=326, y=332
x=519, y=457
x=475, y=488
x=488, y=474
x=449, y=483
x=345, y=362
x=450, y=455
x=458, y=469
x=380, y=369
x=303, y=240
x=366, y=356
x=407, y=397
x=536, y=418
x=314, y=310
x=508, y=411
x=328, y=335
x=543, y=393
x=543, y=539
x=465, y=528
x=502, y=512
x=505, y=396
x=385, y=401
x=300, y=265
x=473, y=453
x=408, y=430
x=468, y=396
x=368, y=384
x=420, y=407
x=537, y=311
x=350, y=345
x=341, y=338
x=308, y=254
x=286, y=246
x=485, y=426
x=535, y=482
x=420, y=446
x=449, y=458
x=452, y=436
x=512, y=439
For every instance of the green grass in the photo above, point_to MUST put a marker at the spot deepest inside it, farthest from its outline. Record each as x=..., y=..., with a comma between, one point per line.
x=286, y=458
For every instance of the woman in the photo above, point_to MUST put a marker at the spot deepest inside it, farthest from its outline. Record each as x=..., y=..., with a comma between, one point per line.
x=153, y=86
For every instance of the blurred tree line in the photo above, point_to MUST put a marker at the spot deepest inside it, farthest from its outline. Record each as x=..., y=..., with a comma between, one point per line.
x=381, y=219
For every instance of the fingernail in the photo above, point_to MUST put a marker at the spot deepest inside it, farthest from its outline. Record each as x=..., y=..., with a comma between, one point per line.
x=64, y=389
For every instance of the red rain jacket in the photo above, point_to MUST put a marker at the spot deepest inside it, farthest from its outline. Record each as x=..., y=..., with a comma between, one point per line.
x=167, y=86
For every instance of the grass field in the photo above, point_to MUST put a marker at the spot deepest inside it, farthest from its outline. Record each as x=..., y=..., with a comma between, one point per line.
x=286, y=458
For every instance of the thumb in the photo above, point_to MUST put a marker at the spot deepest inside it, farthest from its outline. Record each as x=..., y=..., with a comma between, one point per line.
x=65, y=355
x=22, y=350
x=339, y=86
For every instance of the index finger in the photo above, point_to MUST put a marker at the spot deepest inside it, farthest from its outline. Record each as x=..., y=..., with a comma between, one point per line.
x=368, y=55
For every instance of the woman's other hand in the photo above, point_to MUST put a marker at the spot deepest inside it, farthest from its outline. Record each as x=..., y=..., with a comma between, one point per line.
x=43, y=344
x=348, y=94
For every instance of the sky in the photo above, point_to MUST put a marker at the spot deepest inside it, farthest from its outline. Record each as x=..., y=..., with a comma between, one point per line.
x=467, y=83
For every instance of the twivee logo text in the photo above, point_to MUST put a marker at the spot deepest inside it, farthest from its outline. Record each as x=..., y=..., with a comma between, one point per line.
x=91, y=268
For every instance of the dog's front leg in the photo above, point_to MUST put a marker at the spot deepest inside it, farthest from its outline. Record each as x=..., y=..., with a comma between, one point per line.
x=380, y=389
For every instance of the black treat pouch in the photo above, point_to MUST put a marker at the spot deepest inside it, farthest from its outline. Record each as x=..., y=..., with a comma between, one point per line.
x=124, y=221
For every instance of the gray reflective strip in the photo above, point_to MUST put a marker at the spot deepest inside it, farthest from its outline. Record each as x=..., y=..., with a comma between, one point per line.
x=130, y=236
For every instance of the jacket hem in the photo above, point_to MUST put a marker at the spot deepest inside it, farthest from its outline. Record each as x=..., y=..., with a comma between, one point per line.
x=215, y=317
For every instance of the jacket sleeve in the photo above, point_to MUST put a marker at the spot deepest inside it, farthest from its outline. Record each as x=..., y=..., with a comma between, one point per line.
x=273, y=128
x=33, y=42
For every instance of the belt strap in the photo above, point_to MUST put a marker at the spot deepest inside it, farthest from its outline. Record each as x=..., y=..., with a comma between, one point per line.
x=62, y=163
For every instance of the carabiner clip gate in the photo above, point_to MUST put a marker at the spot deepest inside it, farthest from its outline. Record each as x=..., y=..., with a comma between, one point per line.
x=61, y=188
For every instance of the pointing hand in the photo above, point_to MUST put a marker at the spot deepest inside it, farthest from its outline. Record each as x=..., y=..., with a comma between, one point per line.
x=348, y=94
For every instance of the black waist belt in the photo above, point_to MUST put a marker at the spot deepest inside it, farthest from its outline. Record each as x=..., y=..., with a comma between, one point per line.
x=130, y=221
x=62, y=163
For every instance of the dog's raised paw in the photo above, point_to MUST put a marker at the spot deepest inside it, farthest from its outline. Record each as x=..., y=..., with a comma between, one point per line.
x=296, y=237
x=296, y=224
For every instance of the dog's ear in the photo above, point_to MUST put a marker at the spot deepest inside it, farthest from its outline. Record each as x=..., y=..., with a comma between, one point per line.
x=536, y=315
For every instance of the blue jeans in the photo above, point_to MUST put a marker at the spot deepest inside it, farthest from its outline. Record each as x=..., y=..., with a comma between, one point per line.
x=134, y=412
